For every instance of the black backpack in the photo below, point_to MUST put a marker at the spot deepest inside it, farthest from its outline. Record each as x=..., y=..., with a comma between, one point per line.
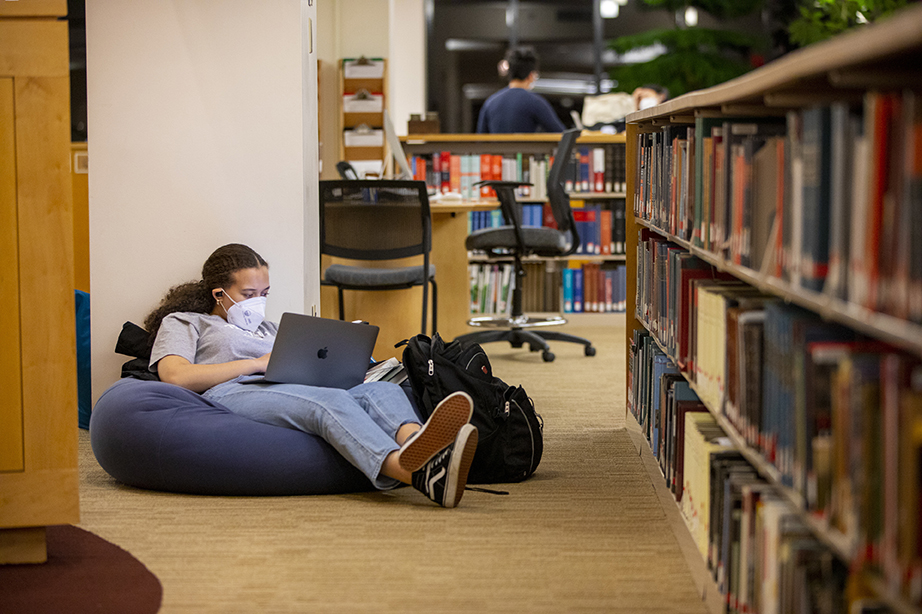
x=509, y=430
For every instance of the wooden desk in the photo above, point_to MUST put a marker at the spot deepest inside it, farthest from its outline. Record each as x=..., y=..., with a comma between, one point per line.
x=398, y=312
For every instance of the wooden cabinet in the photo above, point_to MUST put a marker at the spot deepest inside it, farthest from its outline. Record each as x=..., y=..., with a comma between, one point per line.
x=38, y=429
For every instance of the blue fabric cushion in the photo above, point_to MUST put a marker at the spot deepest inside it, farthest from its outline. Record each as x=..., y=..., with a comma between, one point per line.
x=158, y=436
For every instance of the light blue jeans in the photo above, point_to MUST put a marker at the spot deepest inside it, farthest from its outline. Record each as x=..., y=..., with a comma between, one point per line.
x=360, y=423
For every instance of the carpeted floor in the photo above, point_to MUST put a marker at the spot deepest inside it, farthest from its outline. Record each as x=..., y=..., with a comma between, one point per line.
x=586, y=533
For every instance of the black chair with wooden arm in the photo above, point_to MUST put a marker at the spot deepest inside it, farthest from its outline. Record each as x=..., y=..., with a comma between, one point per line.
x=377, y=220
x=518, y=328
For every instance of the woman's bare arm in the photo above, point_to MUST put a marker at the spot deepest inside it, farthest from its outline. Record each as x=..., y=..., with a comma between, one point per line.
x=199, y=378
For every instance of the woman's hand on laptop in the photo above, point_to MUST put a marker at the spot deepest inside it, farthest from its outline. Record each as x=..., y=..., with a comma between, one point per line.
x=262, y=362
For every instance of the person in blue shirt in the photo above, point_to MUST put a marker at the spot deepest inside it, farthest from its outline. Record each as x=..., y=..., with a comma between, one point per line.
x=515, y=109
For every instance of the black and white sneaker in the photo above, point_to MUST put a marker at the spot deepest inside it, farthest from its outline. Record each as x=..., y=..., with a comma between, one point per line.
x=444, y=476
x=440, y=430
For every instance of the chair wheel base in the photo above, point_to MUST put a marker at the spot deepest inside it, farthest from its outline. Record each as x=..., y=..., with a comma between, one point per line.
x=519, y=322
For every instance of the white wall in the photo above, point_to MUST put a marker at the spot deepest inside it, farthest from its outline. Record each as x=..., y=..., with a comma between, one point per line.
x=406, y=61
x=203, y=131
x=362, y=28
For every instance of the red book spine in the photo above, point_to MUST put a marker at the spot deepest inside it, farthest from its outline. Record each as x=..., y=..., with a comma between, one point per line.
x=445, y=179
x=486, y=174
x=605, y=237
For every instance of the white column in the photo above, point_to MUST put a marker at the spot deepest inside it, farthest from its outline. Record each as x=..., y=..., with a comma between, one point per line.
x=202, y=131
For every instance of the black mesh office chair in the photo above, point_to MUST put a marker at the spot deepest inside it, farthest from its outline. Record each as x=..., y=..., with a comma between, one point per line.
x=377, y=220
x=523, y=241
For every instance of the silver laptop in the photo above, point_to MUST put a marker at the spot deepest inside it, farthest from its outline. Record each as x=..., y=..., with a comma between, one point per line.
x=319, y=352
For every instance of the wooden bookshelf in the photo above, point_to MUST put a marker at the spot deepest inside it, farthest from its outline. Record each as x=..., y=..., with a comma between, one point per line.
x=350, y=119
x=545, y=138
x=880, y=57
x=541, y=144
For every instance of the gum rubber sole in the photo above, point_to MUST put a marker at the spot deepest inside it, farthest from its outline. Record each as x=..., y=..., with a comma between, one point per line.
x=439, y=432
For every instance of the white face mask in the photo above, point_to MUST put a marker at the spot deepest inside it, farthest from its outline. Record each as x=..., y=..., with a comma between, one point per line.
x=647, y=102
x=247, y=314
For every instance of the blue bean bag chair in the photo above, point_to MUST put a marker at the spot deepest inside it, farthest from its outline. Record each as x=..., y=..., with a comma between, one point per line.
x=157, y=436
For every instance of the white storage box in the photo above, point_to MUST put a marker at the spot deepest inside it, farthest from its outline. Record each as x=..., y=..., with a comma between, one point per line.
x=370, y=103
x=363, y=138
x=369, y=69
x=367, y=168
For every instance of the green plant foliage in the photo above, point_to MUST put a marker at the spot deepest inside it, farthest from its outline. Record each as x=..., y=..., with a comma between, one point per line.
x=680, y=72
x=823, y=19
x=690, y=40
x=722, y=9
x=695, y=58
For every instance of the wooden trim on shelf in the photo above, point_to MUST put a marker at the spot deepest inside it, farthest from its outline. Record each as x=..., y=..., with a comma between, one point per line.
x=573, y=257
x=543, y=137
x=704, y=582
x=579, y=196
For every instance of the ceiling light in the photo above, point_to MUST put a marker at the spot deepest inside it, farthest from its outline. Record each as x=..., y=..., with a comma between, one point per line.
x=608, y=9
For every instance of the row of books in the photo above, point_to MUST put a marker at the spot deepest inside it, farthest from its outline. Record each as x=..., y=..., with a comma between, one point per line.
x=838, y=416
x=592, y=288
x=828, y=198
x=591, y=169
x=491, y=288
x=547, y=288
x=600, y=226
x=760, y=554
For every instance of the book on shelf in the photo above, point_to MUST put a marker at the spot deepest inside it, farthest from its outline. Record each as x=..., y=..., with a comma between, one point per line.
x=595, y=169
x=827, y=198
x=704, y=442
x=548, y=287
x=835, y=415
x=753, y=541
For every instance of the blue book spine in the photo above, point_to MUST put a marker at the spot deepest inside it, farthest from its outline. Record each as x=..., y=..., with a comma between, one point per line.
x=817, y=152
x=496, y=218
x=568, y=290
x=661, y=366
x=577, y=290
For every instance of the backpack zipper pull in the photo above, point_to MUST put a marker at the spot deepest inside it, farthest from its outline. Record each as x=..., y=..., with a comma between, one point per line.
x=431, y=367
x=507, y=409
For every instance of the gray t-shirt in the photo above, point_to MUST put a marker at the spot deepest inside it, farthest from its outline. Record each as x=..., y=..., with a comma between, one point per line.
x=205, y=339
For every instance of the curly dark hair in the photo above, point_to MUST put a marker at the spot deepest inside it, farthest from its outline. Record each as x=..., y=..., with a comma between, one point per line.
x=522, y=62
x=217, y=272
